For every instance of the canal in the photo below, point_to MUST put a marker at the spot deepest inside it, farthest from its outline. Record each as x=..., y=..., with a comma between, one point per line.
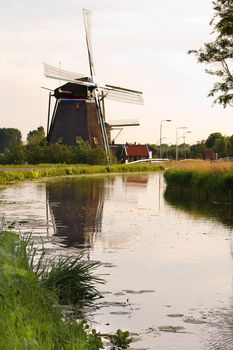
x=167, y=261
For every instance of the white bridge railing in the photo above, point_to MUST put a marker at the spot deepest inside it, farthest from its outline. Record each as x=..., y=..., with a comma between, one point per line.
x=152, y=160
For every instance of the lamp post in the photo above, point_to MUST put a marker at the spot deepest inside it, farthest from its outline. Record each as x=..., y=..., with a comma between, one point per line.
x=160, y=136
x=179, y=127
x=186, y=132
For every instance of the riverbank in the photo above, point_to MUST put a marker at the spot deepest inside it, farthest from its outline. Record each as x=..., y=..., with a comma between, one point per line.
x=12, y=174
x=32, y=292
x=201, y=179
x=31, y=317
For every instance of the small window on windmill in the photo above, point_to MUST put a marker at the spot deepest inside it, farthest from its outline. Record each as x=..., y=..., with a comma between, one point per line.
x=60, y=139
x=95, y=140
x=78, y=140
x=77, y=106
x=89, y=94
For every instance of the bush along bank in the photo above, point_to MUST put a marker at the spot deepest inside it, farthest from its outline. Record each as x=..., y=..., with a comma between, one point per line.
x=9, y=176
x=30, y=297
x=202, y=180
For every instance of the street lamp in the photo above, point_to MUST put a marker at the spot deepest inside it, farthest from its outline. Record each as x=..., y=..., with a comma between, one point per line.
x=160, y=137
x=186, y=132
x=179, y=127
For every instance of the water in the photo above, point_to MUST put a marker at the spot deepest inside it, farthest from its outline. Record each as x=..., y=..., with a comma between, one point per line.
x=167, y=261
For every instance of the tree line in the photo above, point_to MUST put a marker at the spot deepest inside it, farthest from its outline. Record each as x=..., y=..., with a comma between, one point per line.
x=38, y=151
x=216, y=142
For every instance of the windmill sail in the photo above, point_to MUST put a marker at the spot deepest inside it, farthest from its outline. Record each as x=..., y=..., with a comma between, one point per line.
x=87, y=25
x=123, y=122
x=124, y=95
x=61, y=74
x=115, y=93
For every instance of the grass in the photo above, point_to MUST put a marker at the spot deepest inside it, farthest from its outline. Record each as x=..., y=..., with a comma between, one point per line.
x=201, y=179
x=31, y=317
x=41, y=171
x=72, y=280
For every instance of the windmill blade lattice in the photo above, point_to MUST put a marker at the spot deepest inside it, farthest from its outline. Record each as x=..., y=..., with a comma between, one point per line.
x=124, y=95
x=87, y=25
x=61, y=74
x=127, y=97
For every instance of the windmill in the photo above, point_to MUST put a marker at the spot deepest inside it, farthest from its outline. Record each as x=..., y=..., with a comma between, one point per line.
x=79, y=112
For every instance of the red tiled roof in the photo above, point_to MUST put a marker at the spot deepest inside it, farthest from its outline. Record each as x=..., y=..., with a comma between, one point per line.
x=137, y=151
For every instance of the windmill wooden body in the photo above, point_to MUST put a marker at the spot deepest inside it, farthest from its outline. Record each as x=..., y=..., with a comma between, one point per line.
x=79, y=109
x=75, y=117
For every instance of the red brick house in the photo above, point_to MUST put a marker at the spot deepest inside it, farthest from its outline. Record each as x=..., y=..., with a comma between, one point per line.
x=210, y=155
x=132, y=153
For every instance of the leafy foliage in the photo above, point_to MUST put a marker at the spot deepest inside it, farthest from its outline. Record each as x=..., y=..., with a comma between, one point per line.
x=85, y=154
x=219, y=144
x=120, y=340
x=9, y=137
x=219, y=52
x=36, y=137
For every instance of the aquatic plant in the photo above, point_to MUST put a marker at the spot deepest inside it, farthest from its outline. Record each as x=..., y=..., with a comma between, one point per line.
x=120, y=340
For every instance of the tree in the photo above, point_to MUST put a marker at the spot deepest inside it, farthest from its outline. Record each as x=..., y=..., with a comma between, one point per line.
x=219, y=52
x=9, y=137
x=218, y=143
x=36, y=137
x=15, y=155
x=198, y=150
x=221, y=147
x=36, y=154
x=230, y=146
x=84, y=153
x=58, y=153
x=172, y=152
x=212, y=138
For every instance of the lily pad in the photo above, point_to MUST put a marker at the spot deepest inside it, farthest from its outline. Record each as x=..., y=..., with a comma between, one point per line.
x=120, y=313
x=193, y=320
x=129, y=291
x=23, y=222
x=114, y=303
x=175, y=315
x=118, y=294
x=172, y=329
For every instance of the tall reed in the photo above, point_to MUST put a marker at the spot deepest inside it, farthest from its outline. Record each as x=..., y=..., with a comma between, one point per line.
x=210, y=180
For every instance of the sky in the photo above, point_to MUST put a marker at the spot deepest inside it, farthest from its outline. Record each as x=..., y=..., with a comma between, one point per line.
x=136, y=44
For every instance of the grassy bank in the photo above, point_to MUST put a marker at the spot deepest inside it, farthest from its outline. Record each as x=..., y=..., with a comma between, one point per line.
x=9, y=175
x=32, y=290
x=201, y=179
x=31, y=317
